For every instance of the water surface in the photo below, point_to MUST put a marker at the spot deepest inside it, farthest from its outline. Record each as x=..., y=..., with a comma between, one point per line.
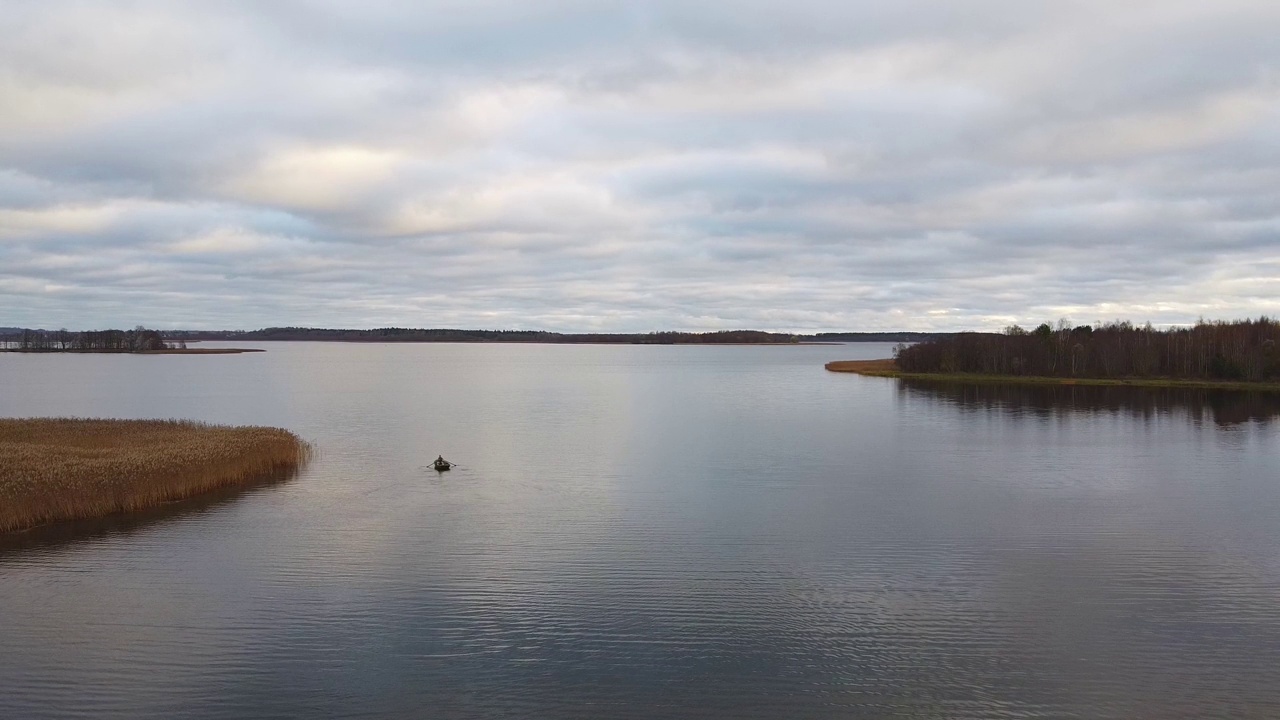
x=640, y=531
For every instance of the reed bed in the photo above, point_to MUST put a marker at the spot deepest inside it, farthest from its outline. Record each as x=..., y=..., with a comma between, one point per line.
x=54, y=469
x=886, y=367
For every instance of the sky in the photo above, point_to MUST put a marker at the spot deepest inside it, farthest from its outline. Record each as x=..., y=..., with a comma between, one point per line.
x=803, y=166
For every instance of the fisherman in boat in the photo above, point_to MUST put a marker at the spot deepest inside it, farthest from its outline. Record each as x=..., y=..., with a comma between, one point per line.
x=441, y=463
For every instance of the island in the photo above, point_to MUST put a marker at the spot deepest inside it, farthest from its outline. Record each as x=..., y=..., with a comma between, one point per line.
x=1240, y=355
x=54, y=469
x=138, y=341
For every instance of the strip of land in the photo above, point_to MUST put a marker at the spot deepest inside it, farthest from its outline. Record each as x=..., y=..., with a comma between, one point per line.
x=54, y=469
x=165, y=351
x=448, y=335
x=880, y=368
x=201, y=351
x=887, y=367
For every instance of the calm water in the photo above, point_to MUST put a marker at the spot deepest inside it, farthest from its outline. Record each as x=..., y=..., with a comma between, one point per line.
x=658, y=532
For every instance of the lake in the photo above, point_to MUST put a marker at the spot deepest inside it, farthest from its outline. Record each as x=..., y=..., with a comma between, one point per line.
x=654, y=532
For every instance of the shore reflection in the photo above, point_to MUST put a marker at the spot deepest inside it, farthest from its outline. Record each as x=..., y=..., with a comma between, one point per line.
x=1223, y=408
x=69, y=532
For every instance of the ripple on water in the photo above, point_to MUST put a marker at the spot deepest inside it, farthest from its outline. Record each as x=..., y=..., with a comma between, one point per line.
x=811, y=546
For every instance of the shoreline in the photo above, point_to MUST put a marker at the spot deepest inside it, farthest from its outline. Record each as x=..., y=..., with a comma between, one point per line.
x=200, y=351
x=63, y=469
x=166, y=351
x=562, y=342
x=887, y=368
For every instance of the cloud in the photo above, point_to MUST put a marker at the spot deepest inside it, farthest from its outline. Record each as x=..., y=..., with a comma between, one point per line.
x=608, y=166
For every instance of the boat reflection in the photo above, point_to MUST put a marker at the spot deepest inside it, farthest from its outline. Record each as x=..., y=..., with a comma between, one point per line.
x=1224, y=408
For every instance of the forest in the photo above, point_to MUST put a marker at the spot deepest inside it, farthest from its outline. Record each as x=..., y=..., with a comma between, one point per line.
x=1239, y=351
x=139, y=339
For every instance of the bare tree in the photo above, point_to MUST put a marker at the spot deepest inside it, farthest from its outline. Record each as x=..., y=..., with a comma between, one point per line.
x=1244, y=350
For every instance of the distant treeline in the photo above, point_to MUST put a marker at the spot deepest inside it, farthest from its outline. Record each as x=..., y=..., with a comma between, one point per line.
x=139, y=339
x=535, y=336
x=511, y=336
x=1223, y=407
x=1244, y=351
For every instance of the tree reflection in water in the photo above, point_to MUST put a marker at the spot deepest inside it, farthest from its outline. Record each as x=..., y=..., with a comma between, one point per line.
x=1224, y=408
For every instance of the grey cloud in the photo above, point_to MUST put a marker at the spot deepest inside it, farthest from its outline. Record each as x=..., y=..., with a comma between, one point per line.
x=584, y=165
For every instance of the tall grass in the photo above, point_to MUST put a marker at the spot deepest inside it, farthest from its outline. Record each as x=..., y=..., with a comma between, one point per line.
x=886, y=366
x=55, y=469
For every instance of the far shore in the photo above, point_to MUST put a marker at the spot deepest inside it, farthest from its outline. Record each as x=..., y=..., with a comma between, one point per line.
x=57, y=469
x=886, y=367
x=798, y=343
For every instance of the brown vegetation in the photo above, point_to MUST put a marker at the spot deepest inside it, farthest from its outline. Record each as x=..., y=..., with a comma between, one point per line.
x=55, y=469
x=886, y=367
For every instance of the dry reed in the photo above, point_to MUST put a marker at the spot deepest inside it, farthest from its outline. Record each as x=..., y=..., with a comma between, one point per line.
x=886, y=367
x=55, y=469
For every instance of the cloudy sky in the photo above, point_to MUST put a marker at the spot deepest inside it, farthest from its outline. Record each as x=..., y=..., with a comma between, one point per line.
x=627, y=166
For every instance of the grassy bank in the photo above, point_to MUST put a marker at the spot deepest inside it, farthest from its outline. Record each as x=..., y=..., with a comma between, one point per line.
x=55, y=469
x=877, y=368
x=888, y=368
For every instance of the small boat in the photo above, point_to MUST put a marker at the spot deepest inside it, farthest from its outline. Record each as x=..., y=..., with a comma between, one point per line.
x=441, y=465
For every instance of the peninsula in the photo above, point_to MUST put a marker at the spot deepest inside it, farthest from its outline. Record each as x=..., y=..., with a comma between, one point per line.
x=58, y=469
x=1239, y=355
x=139, y=341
